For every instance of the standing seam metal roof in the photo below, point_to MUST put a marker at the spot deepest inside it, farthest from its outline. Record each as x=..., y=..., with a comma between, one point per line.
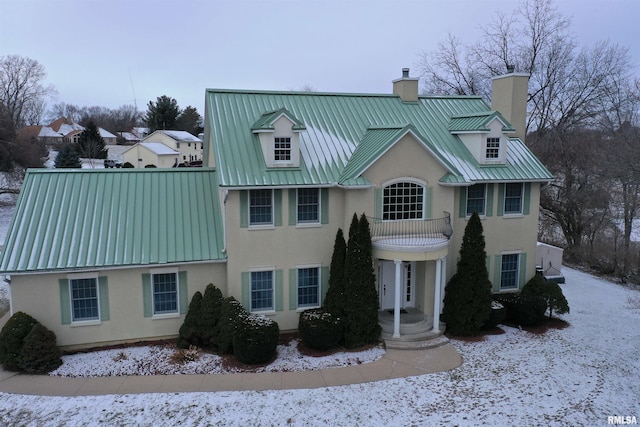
x=96, y=219
x=336, y=124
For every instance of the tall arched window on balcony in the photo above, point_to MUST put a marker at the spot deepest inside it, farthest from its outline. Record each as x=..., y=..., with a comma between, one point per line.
x=403, y=200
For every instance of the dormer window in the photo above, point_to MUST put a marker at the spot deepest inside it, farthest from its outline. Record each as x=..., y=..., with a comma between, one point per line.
x=282, y=149
x=493, y=149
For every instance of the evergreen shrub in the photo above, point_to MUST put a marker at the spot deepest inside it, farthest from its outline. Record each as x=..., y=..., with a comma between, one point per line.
x=256, y=339
x=40, y=353
x=524, y=310
x=320, y=329
x=127, y=165
x=189, y=333
x=550, y=291
x=210, y=316
x=497, y=316
x=231, y=314
x=12, y=338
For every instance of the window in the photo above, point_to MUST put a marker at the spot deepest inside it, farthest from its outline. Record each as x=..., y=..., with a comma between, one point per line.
x=177, y=145
x=403, y=200
x=308, y=205
x=84, y=299
x=476, y=199
x=509, y=271
x=493, y=148
x=165, y=293
x=262, y=291
x=260, y=207
x=513, y=198
x=309, y=287
x=282, y=149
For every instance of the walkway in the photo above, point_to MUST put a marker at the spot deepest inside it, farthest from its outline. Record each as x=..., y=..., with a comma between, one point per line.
x=395, y=364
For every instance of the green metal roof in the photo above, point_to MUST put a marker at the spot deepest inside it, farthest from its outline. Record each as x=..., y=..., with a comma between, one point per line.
x=96, y=219
x=478, y=122
x=336, y=124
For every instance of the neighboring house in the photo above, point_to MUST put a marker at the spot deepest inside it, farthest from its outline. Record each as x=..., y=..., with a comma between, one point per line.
x=108, y=137
x=129, y=137
x=157, y=154
x=63, y=130
x=284, y=171
x=189, y=146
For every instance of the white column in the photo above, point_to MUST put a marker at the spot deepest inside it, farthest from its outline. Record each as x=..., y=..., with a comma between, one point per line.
x=437, y=296
x=398, y=295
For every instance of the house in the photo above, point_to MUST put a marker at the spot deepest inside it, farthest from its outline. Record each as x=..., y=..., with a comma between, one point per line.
x=157, y=154
x=189, y=146
x=63, y=130
x=124, y=250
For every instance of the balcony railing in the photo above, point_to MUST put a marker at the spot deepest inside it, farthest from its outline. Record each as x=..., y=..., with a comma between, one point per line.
x=411, y=232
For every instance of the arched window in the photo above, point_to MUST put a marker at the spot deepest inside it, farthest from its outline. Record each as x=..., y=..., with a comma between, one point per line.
x=403, y=200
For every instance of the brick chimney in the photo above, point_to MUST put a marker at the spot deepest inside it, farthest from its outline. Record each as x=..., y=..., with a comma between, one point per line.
x=509, y=97
x=406, y=87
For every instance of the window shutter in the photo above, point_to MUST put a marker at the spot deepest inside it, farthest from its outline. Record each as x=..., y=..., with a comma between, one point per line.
x=279, y=290
x=246, y=290
x=147, y=297
x=324, y=205
x=65, y=302
x=523, y=270
x=378, y=202
x=489, y=196
x=293, y=289
x=526, y=203
x=103, y=291
x=497, y=274
x=277, y=208
x=501, y=189
x=462, y=213
x=324, y=282
x=428, y=195
x=183, y=292
x=244, y=208
x=293, y=211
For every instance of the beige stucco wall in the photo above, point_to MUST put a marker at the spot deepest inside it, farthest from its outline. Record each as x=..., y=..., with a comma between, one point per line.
x=139, y=157
x=126, y=308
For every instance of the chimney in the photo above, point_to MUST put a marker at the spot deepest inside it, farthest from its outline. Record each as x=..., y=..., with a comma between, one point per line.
x=509, y=97
x=406, y=87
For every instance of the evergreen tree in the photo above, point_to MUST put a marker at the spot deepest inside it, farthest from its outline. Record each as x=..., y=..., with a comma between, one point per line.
x=334, y=300
x=551, y=292
x=361, y=299
x=210, y=315
x=190, y=120
x=67, y=157
x=467, y=302
x=162, y=114
x=40, y=353
x=189, y=333
x=90, y=144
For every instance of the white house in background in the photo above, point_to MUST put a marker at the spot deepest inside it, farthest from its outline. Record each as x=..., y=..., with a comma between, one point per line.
x=189, y=146
x=63, y=130
x=144, y=154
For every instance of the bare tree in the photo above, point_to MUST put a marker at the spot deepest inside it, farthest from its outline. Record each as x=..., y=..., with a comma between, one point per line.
x=22, y=89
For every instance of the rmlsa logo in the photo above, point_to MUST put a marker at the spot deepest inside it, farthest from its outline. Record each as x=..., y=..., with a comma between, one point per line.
x=616, y=419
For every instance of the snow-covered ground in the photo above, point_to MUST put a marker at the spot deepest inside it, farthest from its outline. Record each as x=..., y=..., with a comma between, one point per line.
x=580, y=375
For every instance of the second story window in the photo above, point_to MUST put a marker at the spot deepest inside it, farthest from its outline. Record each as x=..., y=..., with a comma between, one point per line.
x=260, y=207
x=513, y=198
x=282, y=149
x=403, y=200
x=493, y=149
x=308, y=205
x=476, y=197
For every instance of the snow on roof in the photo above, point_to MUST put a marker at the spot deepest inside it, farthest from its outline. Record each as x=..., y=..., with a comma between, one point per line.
x=181, y=135
x=159, y=148
x=128, y=136
x=105, y=133
x=46, y=131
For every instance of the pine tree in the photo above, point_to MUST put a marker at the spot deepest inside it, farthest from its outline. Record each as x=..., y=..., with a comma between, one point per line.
x=189, y=333
x=67, y=158
x=467, y=302
x=361, y=299
x=163, y=114
x=210, y=315
x=334, y=300
x=90, y=144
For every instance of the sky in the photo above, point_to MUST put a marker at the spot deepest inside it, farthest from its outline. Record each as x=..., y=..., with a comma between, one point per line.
x=119, y=52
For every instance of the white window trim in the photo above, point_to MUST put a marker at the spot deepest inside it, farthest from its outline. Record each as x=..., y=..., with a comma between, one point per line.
x=78, y=276
x=515, y=288
x=411, y=180
x=283, y=162
x=261, y=226
x=258, y=269
x=165, y=270
x=318, y=266
x=520, y=213
x=484, y=207
x=309, y=224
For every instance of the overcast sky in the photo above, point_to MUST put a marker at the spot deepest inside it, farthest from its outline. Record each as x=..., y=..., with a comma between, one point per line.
x=116, y=52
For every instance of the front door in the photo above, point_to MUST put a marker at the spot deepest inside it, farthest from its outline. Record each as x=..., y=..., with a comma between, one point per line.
x=387, y=284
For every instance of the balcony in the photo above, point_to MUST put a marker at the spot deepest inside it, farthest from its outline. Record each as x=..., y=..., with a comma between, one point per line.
x=413, y=235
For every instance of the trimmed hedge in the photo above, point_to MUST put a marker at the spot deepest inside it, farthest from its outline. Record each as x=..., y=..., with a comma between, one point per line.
x=210, y=315
x=498, y=314
x=189, y=333
x=525, y=310
x=320, y=329
x=231, y=314
x=256, y=339
x=39, y=354
x=12, y=338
